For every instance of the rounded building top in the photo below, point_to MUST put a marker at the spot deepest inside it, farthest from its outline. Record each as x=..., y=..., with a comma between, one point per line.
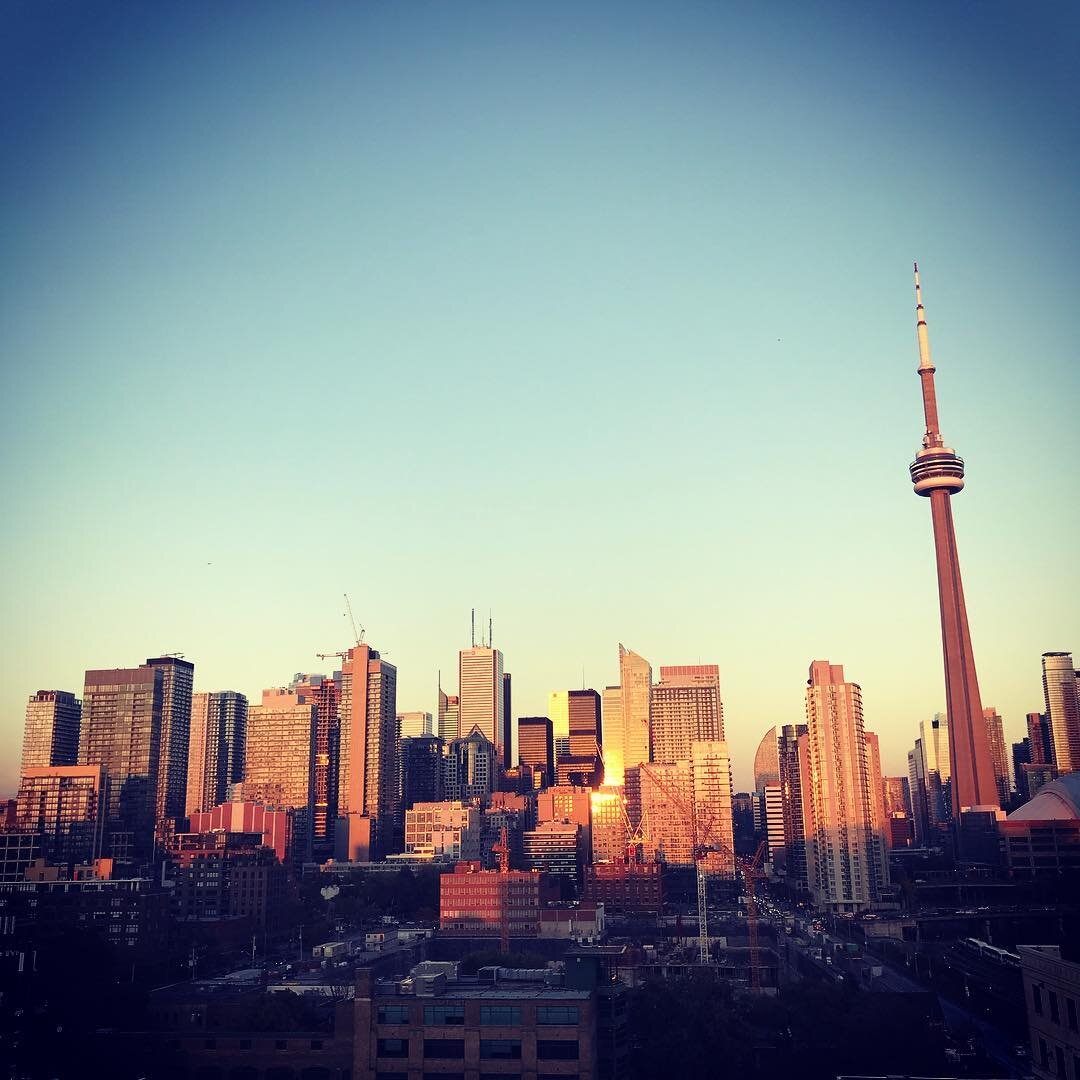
x=1057, y=801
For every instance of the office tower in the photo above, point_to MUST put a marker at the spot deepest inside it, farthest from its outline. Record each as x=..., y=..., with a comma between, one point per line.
x=685, y=708
x=935, y=743
x=325, y=694
x=472, y=768
x=791, y=801
x=626, y=717
x=586, y=734
x=176, y=684
x=766, y=761
x=770, y=814
x=507, y=736
x=1062, y=709
x=480, y=687
x=121, y=730
x=897, y=797
x=51, y=733
x=216, y=748
x=562, y=748
x=938, y=473
x=1040, y=742
x=279, y=767
x=449, y=716
x=995, y=733
x=412, y=725
x=64, y=806
x=920, y=815
x=559, y=713
x=421, y=766
x=846, y=869
x=536, y=746
x=556, y=848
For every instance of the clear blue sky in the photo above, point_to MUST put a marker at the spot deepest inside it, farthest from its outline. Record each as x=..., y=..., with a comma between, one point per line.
x=598, y=315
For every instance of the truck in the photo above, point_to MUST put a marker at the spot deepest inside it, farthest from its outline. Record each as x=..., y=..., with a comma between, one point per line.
x=330, y=950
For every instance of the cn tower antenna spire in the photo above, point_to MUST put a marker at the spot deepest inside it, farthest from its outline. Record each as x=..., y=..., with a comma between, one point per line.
x=937, y=474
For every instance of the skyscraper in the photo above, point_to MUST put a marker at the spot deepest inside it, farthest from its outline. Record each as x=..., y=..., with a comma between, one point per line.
x=121, y=729
x=930, y=779
x=685, y=708
x=1062, y=709
x=766, y=761
x=216, y=748
x=411, y=725
x=536, y=745
x=938, y=473
x=791, y=796
x=627, y=710
x=846, y=865
x=176, y=685
x=876, y=792
x=325, y=694
x=507, y=738
x=367, y=755
x=449, y=716
x=51, y=733
x=1042, y=745
x=586, y=734
x=995, y=733
x=480, y=688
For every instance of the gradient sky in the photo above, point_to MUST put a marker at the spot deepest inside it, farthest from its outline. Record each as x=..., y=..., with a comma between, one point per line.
x=596, y=315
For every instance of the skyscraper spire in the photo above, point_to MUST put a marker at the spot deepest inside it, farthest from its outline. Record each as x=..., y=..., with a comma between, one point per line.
x=938, y=473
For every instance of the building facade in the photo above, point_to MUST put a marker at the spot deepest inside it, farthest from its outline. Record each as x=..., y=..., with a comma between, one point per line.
x=480, y=689
x=51, y=730
x=685, y=708
x=177, y=681
x=64, y=805
x=216, y=749
x=1062, y=709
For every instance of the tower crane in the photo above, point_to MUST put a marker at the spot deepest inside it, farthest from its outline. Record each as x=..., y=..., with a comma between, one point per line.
x=358, y=635
x=704, y=842
x=502, y=849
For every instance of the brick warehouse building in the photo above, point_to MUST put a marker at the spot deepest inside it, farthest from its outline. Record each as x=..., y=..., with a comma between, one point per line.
x=499, y=1023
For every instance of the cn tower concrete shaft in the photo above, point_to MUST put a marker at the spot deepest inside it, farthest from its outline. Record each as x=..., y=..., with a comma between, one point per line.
x=937, y=473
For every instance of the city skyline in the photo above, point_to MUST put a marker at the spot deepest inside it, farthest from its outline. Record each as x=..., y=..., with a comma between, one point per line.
x=562, y=289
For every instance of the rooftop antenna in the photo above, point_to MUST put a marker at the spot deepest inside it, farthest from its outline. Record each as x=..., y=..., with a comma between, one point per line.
x=474, y=628
x=491, y=637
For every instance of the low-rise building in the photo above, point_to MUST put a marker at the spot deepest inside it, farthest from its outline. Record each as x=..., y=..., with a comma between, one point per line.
x=505, y=1023
x=627, y=887
x=1052, y=994
x=474, y=902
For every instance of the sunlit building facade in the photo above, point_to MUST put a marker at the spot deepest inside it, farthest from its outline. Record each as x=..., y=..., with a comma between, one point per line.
x=685, y=708
x=51, y=731
x=216, y=748
x=1062, y=709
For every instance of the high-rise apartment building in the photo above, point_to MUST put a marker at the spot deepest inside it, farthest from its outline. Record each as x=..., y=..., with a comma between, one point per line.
x=1021, y=756
x=710, y=764
x=876, y=794
x=937, y=473
x=121, y=730
x=63, y=805
x=930, y=781
x=51, y=732
x=279, y=768
x=627, y=717
x=995, y=734
x=607, y=814
x=1062, y=709
x=1041, y=743
x=685, y=708
x=216, y=748
x=536, y=745
x=325, y=694
x=177, y=680
x=846, y=866
x=367, y=755
x=449, y=717
x=791, y=798
x=420, y=760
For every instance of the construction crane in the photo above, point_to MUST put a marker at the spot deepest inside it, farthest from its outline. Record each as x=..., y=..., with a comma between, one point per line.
x=705, y=842
x=358, y=635
x=502, y=849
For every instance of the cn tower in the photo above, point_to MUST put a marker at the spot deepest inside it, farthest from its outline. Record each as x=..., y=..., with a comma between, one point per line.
x=938, y=473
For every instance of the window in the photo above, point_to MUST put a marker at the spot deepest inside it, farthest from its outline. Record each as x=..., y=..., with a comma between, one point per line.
x=281, y=1044
x=500, y=1015
x=501, y=1049
x=444, y=1048
x=1059, y=1060
x=556, y=1049
x=445, y=1076
x=1044, y=1054
x=245, y=1044
x=316, y=1044
x=1070, y=1011
x=557, y=1014
x=392, y=1048
x=1054, y=1014
x=393, y=1014
x=391, y=1076
x=1036, y=999
x=444, y=1014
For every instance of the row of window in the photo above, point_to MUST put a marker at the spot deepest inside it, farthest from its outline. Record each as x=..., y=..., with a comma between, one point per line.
x=490, y=1015
x=1055, y=1011
x=491, y=1049
x=395, y=1075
